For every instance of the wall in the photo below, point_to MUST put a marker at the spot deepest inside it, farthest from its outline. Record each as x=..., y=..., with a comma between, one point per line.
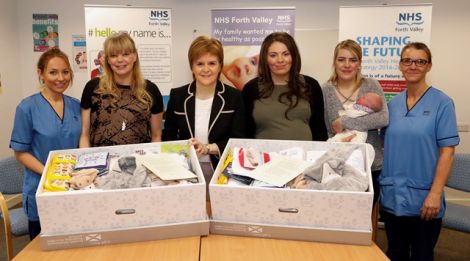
x=449, y=43
x=11, y=90
x=316, y=34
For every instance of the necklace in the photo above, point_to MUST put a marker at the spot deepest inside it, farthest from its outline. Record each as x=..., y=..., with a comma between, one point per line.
x=344, y=96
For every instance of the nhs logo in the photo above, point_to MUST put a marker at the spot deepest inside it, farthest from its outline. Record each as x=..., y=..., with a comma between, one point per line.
x=283, y=19
x=410, y=19
x=159, y=15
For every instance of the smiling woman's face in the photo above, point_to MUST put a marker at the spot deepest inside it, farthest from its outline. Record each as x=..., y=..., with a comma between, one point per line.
x=206, y=70
x=57, y=75
x=414, y=73
x=279, y=61
x=347, y=65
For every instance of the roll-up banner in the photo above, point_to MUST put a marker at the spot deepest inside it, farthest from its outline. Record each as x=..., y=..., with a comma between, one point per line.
x=382, y=31
x=150, y=27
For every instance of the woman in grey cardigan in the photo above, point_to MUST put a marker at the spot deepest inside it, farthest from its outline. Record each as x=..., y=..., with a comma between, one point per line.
x=343, y=88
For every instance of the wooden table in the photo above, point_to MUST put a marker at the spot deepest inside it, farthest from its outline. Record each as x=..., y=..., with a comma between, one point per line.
x=171, y=249
x=219, y=247
x=212, y=247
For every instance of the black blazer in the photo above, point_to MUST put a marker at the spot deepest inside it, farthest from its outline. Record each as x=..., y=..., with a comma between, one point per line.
x=226, y=119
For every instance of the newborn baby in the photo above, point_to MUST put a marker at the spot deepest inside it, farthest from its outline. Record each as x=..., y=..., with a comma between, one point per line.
x=368, y=103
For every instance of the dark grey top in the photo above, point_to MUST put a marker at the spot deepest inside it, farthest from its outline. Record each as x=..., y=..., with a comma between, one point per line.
x=271, y=122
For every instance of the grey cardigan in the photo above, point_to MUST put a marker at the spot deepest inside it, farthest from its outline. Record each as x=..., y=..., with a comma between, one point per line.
x=370, y=123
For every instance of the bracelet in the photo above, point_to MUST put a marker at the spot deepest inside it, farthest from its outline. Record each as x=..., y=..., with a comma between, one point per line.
x=206, y=149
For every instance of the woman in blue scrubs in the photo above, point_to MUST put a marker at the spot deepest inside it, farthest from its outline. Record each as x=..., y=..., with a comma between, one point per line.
x=45, y=121
x=419, y=149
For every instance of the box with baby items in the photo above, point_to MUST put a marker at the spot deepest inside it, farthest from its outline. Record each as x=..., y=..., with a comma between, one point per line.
x=119, y=194
x=300, y=190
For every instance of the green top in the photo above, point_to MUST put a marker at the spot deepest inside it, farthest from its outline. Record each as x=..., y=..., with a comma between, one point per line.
x=271, y=122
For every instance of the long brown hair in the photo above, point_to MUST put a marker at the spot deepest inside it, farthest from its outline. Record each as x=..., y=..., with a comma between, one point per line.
x=296, y=86
x=117, y=43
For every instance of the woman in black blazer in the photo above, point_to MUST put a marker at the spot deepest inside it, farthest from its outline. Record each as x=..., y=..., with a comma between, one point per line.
x=206, y=111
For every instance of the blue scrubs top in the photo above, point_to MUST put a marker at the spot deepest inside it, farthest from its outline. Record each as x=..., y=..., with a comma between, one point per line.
x=411, y=150
x=38, y=129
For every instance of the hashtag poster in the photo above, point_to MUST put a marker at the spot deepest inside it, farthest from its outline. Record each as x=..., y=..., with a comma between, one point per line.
x=150, y=27
x=382, y=31
x=45, y=31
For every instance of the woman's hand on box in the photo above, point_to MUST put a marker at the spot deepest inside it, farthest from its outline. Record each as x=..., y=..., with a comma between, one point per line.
x=199, y=147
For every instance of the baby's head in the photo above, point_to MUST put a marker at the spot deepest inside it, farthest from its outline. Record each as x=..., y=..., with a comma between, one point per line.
x=241, y=70
x=371, y=100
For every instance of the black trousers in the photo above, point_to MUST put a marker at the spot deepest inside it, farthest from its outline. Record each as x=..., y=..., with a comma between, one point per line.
x=34, y=229
x=411, y=238
x=375, y=184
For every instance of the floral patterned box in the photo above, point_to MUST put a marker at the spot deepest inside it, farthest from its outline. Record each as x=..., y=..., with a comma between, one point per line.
x=89, y=217
x=298, y=214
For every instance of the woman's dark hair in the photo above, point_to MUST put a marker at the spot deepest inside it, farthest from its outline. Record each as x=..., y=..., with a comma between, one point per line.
x=296, y=86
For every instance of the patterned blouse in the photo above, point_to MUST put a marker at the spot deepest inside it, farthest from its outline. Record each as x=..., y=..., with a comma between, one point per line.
x=128, y=122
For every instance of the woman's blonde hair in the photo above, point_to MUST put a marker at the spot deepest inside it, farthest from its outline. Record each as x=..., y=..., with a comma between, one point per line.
x=356, y=49
x=122, y=43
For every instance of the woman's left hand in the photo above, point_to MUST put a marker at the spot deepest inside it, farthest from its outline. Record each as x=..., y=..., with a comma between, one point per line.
x=337, y=126
x=431, y=206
